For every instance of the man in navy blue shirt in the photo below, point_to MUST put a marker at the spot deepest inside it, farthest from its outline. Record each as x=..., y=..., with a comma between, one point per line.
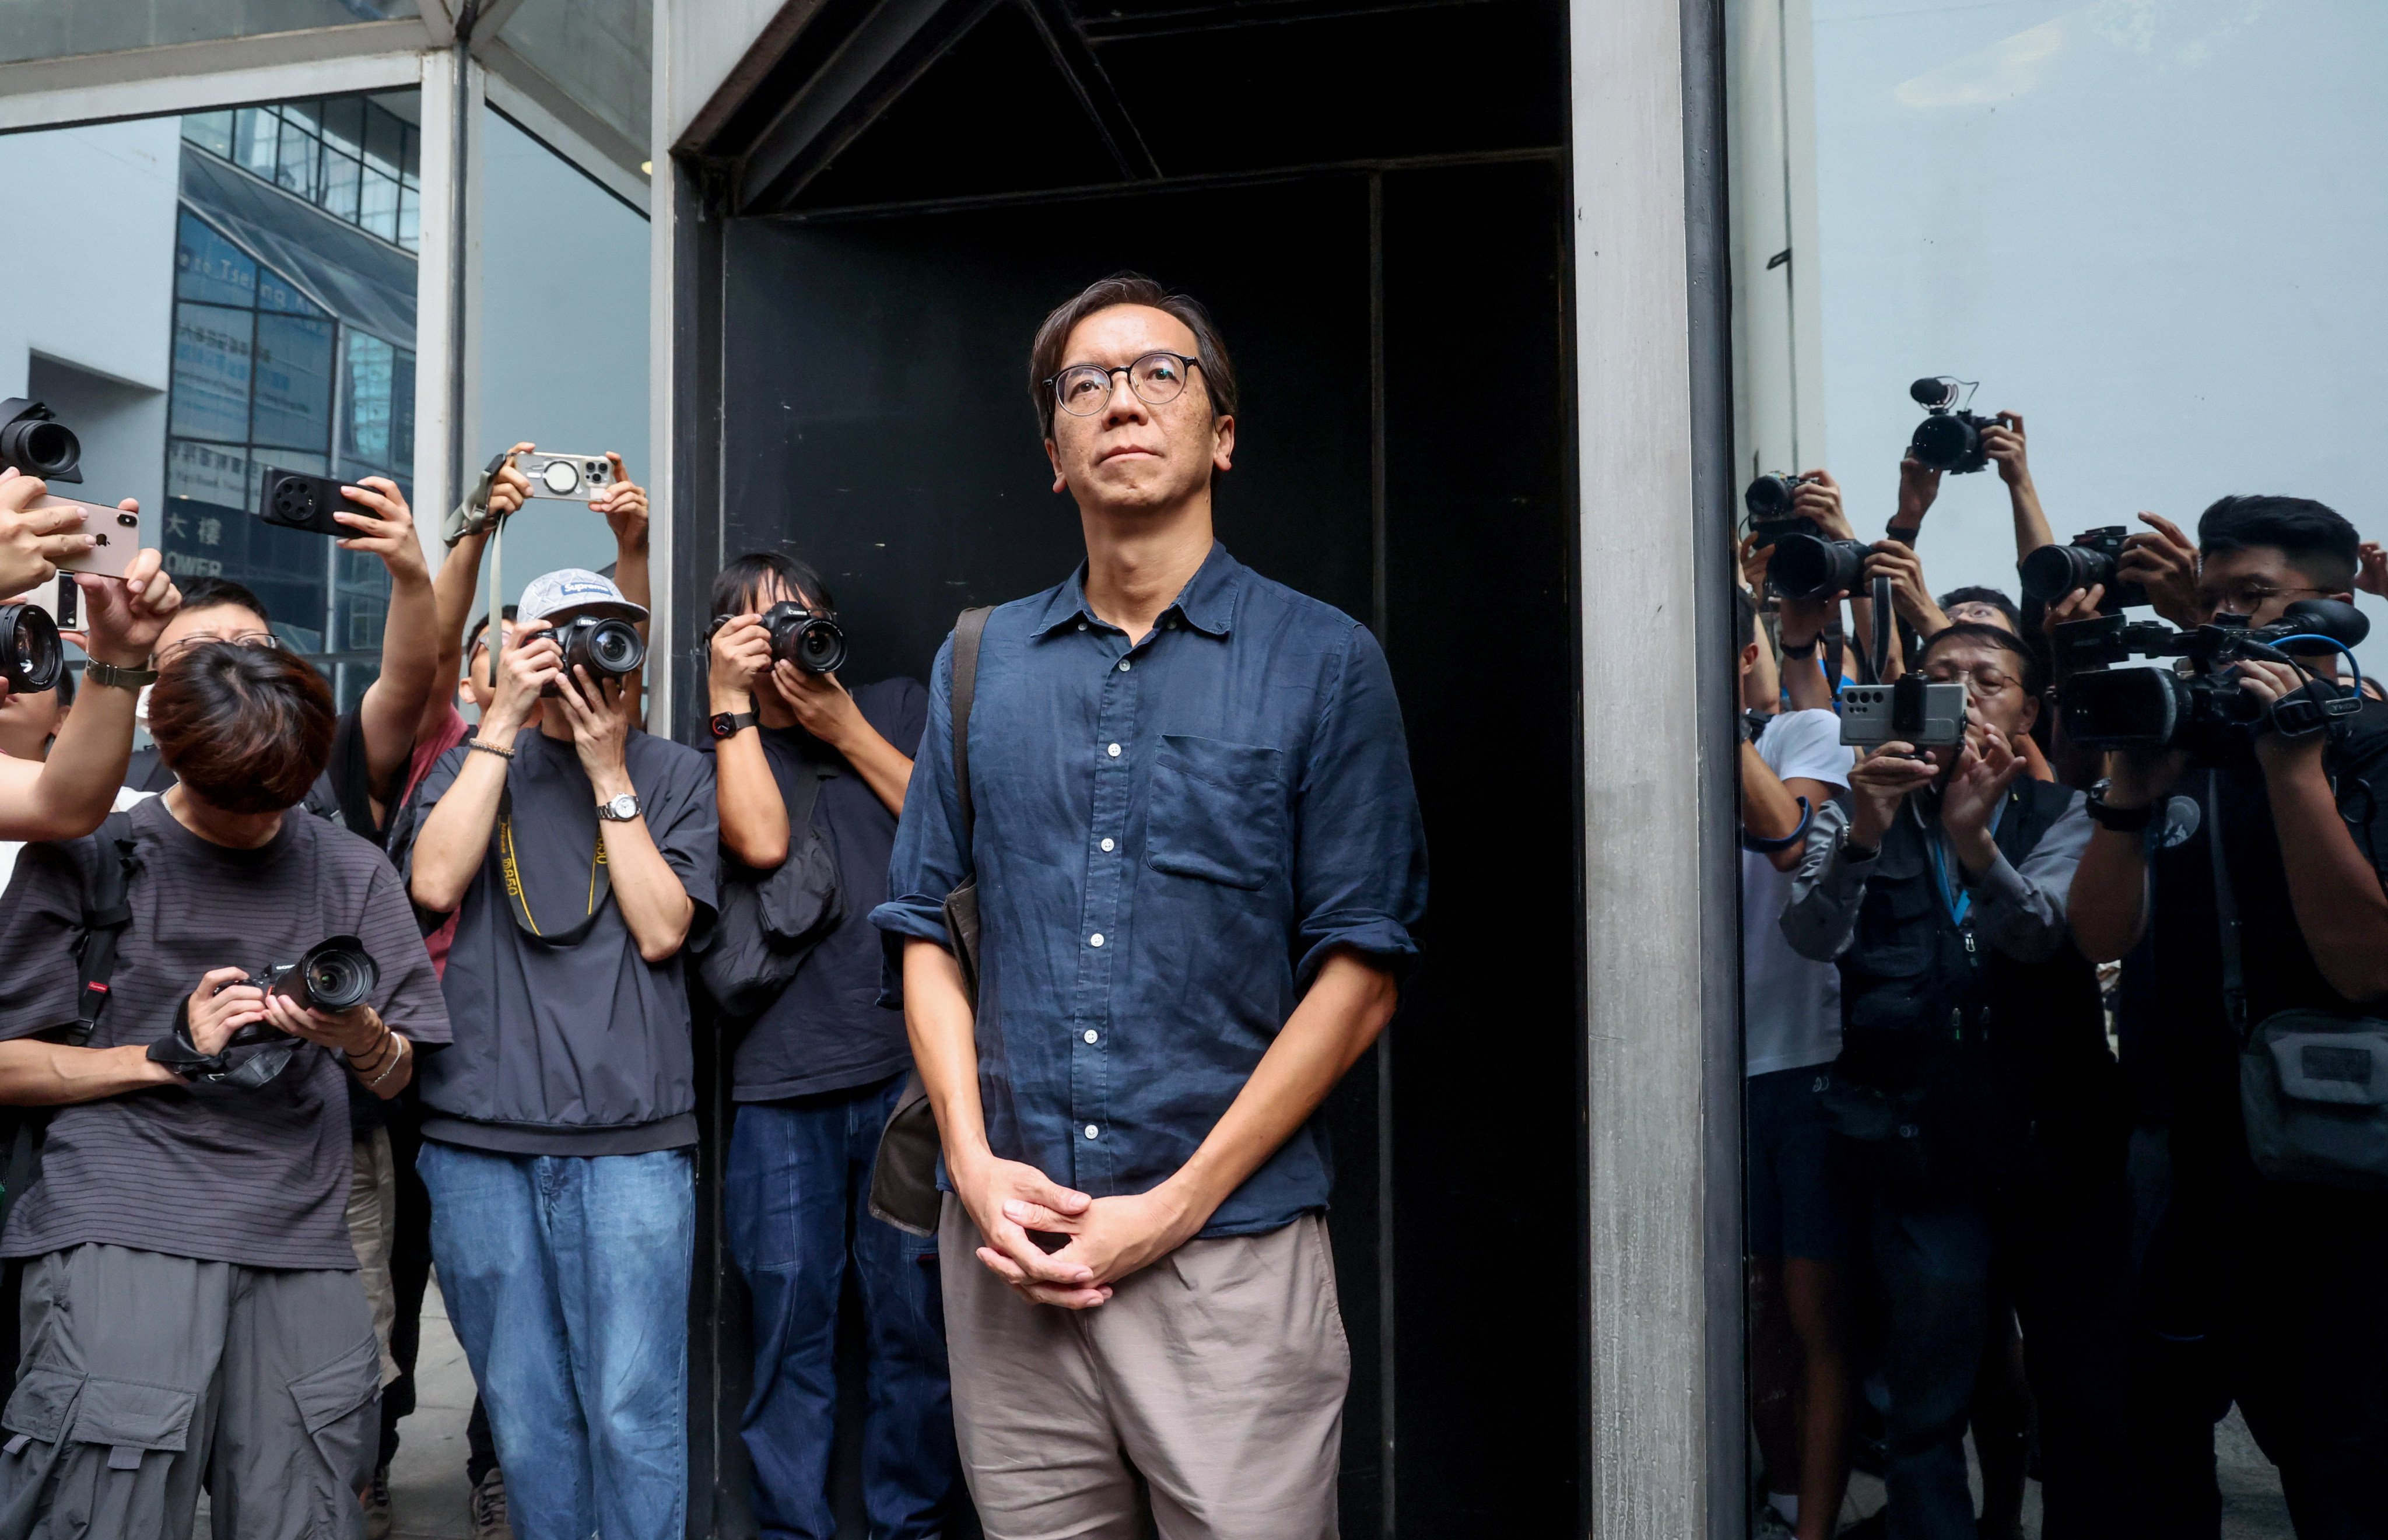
x=1199, y=865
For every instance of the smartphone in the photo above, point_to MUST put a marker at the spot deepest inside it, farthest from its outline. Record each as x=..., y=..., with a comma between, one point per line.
x=119, y=534
x=66, y=611
x=295, y=500
x=574, y=477
x=1907, y=711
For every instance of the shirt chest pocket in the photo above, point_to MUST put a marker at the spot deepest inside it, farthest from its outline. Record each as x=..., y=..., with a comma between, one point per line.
x=1216, y=811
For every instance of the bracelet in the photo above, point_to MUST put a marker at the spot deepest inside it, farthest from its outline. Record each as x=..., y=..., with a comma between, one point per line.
x=395, y=1060
x=2123, y=820
x=1852, y=850
x=374, y=1052
x=478, y=746
x=1805, y=650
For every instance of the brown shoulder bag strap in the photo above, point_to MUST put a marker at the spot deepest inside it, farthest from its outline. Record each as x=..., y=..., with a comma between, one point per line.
x=969, y=627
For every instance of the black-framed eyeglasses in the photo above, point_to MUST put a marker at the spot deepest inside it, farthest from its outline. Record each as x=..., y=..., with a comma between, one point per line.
x=1157, y=378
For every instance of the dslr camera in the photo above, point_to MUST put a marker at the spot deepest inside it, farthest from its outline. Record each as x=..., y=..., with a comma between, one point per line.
x=1812, y=567
x=606, y=645
x=1768, y=499
x=30, y=657
x=332, y=975
x=2200, y=705
x=1949, y=437
x=814, y=642
x=2053, y=571
x=34, y=442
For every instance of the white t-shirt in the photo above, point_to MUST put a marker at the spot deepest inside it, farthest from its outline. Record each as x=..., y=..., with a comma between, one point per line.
x=125, y=798
x=1791, y=1006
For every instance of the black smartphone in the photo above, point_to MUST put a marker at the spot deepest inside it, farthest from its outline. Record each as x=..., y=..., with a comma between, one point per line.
x=294, y=500
x=65, y=611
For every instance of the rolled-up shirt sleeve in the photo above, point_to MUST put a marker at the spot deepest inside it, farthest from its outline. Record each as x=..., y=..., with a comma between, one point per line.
x=1821, y=917
x=1360, y=875
x=2021, y=909
x=931, y=858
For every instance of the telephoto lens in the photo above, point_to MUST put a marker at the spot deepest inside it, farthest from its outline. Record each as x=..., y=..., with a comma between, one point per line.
x=1769, y=497
x=335, y=975
x=34, y=443
x=2053, y=571
x=814, y=642
x=1809, y=566
x=30, y=657
x=607, y=646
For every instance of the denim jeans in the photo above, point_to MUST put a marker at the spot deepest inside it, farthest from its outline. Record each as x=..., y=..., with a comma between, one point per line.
x=2062, y=1251
x=797, y=1197
x=567, y=1278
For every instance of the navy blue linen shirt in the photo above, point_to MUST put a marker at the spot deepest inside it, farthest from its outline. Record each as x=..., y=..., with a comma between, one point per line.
x=1170, y=837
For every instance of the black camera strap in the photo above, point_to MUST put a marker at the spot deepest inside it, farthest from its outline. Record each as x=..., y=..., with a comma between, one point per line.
x=1877, y=662
x=2226, y=915
x=601, y=881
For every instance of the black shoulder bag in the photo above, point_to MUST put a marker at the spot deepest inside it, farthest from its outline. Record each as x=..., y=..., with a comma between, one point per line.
x=903, y=1177
x=769, y=922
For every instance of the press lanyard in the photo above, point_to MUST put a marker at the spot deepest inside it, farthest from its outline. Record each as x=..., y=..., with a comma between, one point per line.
x=600, y=880
x=1955, y=897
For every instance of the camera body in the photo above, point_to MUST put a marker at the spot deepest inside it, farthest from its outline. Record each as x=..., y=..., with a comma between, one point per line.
x=1812, y=567
x=2202, y=707
x=815, y=642
x=31, y=657
x=608, y=646
x=335, y=975
x=1949, y=437
x=1909, y=709
x=2053, y=571
x=571, y=478
x=1767, y=500
x=295, y=500
x=34, y=442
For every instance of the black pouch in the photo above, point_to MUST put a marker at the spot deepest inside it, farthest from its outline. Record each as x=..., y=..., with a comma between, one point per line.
x=1888, y=1128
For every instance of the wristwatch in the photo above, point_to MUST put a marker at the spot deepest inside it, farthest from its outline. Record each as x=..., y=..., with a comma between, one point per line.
x=622, y=809
x=96, y=672
x=2123, y=820
x=728, y=724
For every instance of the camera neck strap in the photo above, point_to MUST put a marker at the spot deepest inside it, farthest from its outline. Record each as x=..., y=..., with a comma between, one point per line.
x=2226, y=914
x=601, y=881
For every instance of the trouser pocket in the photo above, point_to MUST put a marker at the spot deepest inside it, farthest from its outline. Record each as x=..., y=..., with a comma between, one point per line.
x=340, y=1406
x=56, y=1419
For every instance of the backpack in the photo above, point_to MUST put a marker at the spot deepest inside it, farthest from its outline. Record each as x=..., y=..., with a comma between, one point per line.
x=767, y=923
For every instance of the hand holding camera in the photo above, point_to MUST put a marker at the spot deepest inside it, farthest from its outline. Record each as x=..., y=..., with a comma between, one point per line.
x=2003, y=443
x=1987, y=766
x=1919, y=488
x=624, y=504
x=385, y=529
x=741, y=656
x=1879, y=783
x=225, y=1001
x=528, y=662
x=2163, y=562
x=1909, y=594
x=34, y=540
x=601, y=725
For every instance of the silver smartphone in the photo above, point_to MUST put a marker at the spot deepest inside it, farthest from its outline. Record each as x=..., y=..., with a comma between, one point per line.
x=1909, y=709
x=573, y=477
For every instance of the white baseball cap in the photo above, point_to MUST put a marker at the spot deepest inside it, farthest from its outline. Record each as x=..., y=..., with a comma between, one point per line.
x=578, y=590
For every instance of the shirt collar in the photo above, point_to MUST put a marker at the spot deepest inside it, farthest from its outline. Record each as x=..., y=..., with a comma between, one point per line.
x=1206, y=601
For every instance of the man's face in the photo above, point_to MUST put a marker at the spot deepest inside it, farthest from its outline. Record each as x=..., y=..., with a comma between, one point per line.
x=188, y=628
x=1128, y=454
x=2256, y=581
x=1980, y=612
x=480, y=687
x=1993, y=681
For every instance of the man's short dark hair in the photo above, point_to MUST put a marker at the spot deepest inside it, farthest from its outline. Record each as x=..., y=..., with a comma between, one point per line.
x=1745, y=619
x=2315, y=538
x=1045, y=359
x=249, y=729
x=742, y=578
x=473, y=637
x=1977, y=594
x=1988, y=636
x=216, y=593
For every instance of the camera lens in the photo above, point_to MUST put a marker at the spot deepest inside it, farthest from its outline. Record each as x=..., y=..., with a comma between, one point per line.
x=1944, y=441
x=820, y=648
x=614, y=648
x=29, y=655
x=1805, y=566
x=1768, y=497
x=38, y=445
x=338, y=974
x=2053, y=571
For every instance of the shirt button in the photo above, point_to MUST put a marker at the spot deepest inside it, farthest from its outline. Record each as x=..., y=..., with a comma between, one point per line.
x=1091, y=1130
x=1082, y=625
x=1092, y=1033
x=1114, y=751
x=1096, y=939
x=1123, y=666
x=1107, y=844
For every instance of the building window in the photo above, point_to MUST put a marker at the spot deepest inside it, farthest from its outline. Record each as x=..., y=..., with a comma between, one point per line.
x=350, y=156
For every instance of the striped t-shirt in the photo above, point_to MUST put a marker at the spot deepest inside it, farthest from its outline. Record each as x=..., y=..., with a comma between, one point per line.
x=259, y=1177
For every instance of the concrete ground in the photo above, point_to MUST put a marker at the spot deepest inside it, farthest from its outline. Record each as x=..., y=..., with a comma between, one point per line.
x=426, y=1480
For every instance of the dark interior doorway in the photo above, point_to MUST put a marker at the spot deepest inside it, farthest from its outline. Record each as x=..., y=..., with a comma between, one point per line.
x=1371, y=202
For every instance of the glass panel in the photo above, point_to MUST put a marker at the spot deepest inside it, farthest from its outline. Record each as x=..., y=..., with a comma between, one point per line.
x=209, y=131
x=344, y=123
x=410, y=217
x=366, y=425
x=211, y=368
x=255, y=134
x=401, y=414
x=340, y=174
x=209, y=267
x=294, y=381
x=377, y=205
x=295, y=165
x=385, y=139
x=216, y=474
x=274, y=293
x=57, y=29
x=596, y=50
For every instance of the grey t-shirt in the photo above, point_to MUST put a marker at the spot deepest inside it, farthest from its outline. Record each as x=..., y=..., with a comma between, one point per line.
x=581, y=1048
x=258, y=1178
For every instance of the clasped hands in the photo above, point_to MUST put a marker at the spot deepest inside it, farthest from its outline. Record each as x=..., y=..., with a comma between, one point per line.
x=1106, y=1239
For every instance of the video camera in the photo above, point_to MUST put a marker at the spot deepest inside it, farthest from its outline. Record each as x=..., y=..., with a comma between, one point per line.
x=2053, y=571
x=31, y=655
x=2204, y=709
x=814, y=642
x=1949, y=437
x=608, y=646
x=34, y=442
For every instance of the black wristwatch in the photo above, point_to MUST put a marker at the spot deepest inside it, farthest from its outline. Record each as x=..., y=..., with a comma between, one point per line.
x=2123, y=820
x=1806, y=650
x=728, y=724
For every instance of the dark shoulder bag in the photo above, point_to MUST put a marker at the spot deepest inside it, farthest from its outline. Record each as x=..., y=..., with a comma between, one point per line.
x=769, y=922
x=903, y=1177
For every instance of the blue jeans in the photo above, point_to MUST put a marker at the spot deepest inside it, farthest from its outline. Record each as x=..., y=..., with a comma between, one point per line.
x=797, y=1197
x=566, y=1278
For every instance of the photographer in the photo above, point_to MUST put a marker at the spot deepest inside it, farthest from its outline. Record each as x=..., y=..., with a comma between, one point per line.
x=192, y=1311
x=2278, y=1288
x=1975, y=1092
x=816, y=1077
x=577, y=856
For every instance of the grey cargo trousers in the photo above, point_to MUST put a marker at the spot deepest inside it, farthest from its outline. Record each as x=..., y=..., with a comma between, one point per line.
x=144, y=1374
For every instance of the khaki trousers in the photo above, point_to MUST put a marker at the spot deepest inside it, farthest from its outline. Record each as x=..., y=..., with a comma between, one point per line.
x=1217, y=1375
x=372, y=1225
